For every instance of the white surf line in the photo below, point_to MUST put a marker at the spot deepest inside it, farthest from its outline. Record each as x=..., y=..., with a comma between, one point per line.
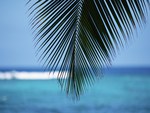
x=28, y=75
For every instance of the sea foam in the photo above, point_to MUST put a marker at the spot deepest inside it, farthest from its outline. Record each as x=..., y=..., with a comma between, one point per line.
x=28, y=75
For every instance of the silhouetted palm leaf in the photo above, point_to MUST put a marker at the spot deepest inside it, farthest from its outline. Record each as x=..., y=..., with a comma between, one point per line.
x=80, y=37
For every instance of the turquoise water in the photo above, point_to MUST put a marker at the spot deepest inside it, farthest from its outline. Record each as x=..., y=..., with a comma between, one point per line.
x=111, y=94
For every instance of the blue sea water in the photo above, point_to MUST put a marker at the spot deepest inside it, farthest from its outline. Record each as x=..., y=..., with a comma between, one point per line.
x=127, y=93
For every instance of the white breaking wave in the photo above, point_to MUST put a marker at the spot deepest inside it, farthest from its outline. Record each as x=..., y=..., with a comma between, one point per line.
x=28, y=75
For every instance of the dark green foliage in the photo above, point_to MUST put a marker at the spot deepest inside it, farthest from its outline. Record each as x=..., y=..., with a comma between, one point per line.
x=82, y=36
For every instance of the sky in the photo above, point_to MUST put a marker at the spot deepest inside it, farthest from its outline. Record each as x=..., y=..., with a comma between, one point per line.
x=17, y=46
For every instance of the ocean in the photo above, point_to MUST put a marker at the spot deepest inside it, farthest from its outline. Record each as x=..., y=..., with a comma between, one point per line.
x=122, y=92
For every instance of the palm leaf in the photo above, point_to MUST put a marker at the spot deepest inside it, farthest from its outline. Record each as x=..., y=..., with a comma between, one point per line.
x=80, y=37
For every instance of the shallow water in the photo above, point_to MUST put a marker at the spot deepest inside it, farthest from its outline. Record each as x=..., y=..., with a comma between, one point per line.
x=111, y=94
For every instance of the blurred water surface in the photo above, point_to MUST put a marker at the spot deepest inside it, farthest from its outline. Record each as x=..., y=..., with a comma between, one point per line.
x=111, y=94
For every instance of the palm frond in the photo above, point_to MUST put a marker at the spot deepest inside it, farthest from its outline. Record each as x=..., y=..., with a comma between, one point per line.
x=80, y=37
